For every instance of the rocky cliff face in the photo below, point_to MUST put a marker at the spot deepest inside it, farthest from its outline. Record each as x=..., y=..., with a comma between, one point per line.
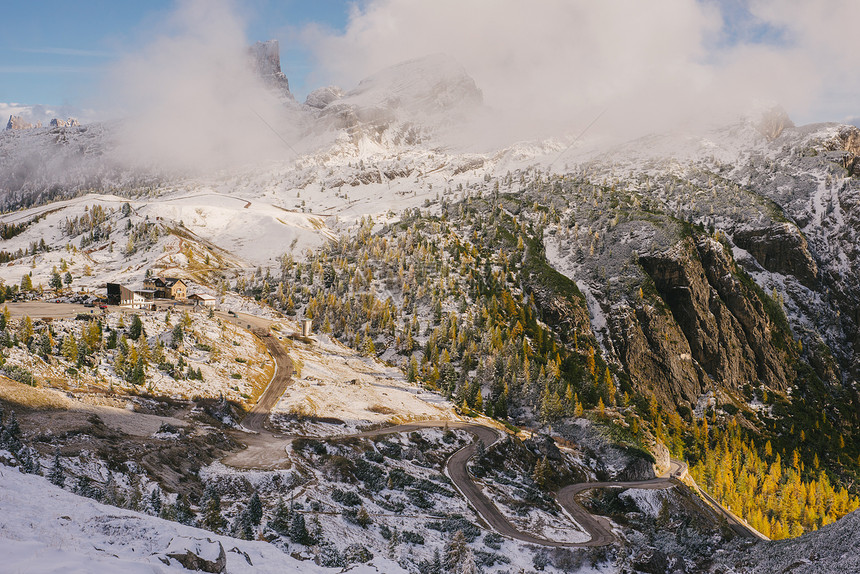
x=321, y=97
x=266, y=62
x=781, y=248
x=19, y=123
x=70, y=123
x=713, y=332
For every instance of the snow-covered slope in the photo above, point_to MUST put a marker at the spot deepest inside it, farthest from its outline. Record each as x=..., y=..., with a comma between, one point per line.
x=831, y=550
x=44, y=529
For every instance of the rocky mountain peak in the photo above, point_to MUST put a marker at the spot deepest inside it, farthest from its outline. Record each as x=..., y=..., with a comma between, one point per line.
x=266, y=62
x=773, y=122
x=60, y=123
x=19, y=123
x=428, y=85
x=321, y=97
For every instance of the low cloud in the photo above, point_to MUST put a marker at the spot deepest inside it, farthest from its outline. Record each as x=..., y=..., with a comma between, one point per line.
x=189, y=98
x=556, y=64
x=546, y=68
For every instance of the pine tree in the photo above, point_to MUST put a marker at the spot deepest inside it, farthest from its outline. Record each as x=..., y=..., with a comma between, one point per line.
x=10, y=436
x=182, y=510
x=56, y=281
x=211, y=509
x=281, y=519
x=29, y=461
x=155, y=501
x=455, y=551
x=136, y=329
x=69, y=348
x=298, y=530
x=541, y=473
x=242, y=526
x=177, y=336
x=109, y=493
x=56, y=475
x=255, y=509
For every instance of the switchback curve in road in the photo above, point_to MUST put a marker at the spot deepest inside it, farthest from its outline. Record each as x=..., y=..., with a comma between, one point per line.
x=268, y=451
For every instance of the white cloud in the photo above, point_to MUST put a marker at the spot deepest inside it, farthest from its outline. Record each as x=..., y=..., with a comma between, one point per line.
x=189, y=99
x=558, y=63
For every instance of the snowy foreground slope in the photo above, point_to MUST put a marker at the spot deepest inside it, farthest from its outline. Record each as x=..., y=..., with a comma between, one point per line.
x=46, y=529
x=833, y=549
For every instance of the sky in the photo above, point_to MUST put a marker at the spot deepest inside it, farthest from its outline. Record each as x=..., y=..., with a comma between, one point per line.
x=646, y=62
x=52, y=52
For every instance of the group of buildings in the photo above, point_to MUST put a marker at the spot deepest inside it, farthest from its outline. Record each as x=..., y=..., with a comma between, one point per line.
x=155, y=288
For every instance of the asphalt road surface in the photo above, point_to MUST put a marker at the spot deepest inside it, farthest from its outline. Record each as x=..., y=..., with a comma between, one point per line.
x=259, y=414
x=269, y=451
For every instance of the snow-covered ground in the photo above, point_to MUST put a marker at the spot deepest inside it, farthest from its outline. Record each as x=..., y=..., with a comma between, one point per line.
x=44, y=529
x=233, y=362
x=334, y=381
x=560, y=527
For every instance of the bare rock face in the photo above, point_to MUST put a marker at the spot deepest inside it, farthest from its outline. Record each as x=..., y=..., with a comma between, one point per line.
x=58, y=123
x=198, y=555
x=773, y=122
x=544, y=446
x=848, y=143
x=653, y=342
x=322, y=97
x=266, y=62
x=781, y=249
x=652, y=561
x=714, y=329
x=19, y=123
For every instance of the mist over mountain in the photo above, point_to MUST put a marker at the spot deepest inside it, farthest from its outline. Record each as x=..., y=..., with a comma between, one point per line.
x=581, y=295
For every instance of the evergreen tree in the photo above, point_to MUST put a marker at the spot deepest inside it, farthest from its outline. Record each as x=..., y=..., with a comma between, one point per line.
x=56, y=475
x=10, y=436
x=298, y=529
x=136, y=329
x=84, y=487
x=541, y=473
x=110, y=495
x=255, y=509
x=243, y=527
x=56, y=281
x=69, y=348
x=211, y=509
x=455, y=552
x=155, y=501
x=45, y=346
x=177, y=336
x=182, y=510
x=281, y=519
x=29, y=461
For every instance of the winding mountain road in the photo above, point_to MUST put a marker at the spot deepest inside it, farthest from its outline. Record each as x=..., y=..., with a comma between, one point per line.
x=258, y=415
x=269, y=451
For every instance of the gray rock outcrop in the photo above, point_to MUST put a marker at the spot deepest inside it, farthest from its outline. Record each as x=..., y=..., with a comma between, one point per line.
x=266, y=62
x=19, y=123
